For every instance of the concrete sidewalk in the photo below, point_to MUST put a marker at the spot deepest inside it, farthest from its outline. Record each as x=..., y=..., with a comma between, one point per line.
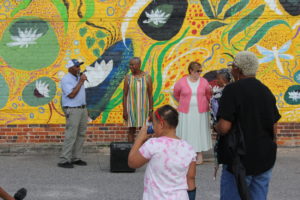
x=45, y=181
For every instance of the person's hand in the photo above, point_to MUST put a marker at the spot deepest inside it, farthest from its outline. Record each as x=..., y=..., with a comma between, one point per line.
x=125, y=115
x=83, y=78
x=143, y=136
x=150, y=118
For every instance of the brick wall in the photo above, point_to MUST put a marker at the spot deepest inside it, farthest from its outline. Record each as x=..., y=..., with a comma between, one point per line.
x=288, y=134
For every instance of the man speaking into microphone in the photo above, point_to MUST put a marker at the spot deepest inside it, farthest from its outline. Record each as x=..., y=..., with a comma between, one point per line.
x=74, y=107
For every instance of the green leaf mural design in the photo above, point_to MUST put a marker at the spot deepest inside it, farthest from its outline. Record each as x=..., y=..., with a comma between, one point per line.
x=96, y=52
x=90, y=41
x=221, y=6
x=207, y=9
x=245, y=22
x=156, y=95
x=291, y=96
x=211, y=26
x=63, y=11
x=101, y=44
x=39, y=92
x=82, y=31
x=262, y=31
x=4, y=92
x=114, y=102
x=89, y=10
x=100, y=34
x=236, y=8
x=34, y=50
x=22, y=5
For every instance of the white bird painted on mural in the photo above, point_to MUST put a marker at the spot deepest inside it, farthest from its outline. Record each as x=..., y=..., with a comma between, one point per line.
x=273, y=6
x=275, y=54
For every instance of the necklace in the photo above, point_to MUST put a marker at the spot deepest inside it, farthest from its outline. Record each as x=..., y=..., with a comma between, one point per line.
x=193, y=79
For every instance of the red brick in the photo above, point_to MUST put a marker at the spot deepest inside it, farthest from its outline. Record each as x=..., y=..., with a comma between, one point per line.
x=22, y=125
x=27, y=129
x=5, y=129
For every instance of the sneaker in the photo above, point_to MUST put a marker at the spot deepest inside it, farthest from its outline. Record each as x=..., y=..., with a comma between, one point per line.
x=65, y=165
x=20, y=194
x=79, y=162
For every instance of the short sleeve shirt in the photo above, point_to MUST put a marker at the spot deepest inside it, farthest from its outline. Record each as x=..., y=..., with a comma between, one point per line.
x=165, y=176
x=251, y=103
x=68, y=83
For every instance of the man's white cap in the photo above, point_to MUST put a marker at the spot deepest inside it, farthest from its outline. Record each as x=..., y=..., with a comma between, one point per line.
x=72, y=63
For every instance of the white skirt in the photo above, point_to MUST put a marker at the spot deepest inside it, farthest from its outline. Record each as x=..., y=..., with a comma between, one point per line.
x=194, y=128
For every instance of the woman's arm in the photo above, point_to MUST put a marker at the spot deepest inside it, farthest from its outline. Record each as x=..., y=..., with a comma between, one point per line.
x=223, y=126
x=149, y=91
x=125, y=93
x=191, y=175
x=135, y=158
x=208, y=91
x=177, y=89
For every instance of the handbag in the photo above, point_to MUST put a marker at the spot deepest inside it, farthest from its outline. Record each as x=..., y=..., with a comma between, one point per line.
x=229, y=149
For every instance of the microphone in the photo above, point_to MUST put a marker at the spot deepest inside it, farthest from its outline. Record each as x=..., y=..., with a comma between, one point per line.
x=80, y=73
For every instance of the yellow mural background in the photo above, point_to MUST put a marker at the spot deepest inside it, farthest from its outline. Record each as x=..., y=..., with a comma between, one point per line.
x=193, y=47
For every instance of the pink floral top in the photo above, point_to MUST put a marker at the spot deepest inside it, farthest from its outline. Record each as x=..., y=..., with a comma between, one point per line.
x=165, y=176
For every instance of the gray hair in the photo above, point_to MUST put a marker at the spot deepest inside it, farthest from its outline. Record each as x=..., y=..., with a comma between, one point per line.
x=247, y=62
x=137, y=60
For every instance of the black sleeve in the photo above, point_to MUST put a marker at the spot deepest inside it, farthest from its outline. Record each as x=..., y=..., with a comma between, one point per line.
x=227, y=105
x=277, y=116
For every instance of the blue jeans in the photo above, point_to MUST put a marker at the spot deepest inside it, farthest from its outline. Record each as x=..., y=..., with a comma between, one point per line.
x=258, y=185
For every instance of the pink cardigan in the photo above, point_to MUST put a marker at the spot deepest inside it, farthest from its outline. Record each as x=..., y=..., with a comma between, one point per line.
x=183, y=94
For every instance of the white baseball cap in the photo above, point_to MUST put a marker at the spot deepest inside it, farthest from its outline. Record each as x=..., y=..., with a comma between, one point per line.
x=72, y=63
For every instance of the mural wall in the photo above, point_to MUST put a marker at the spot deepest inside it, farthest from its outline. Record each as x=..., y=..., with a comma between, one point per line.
x=38, y=37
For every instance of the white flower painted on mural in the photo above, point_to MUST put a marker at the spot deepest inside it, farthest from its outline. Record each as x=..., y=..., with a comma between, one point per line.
x=295, y=96
x=297, y=78
x=98, y=73
x=25, y=38
x=41, y=89
x=156, y=17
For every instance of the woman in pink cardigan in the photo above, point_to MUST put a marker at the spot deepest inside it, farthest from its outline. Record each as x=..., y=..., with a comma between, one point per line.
x=193, y=94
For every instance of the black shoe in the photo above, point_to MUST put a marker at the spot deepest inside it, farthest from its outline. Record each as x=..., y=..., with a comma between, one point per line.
x=79, y=162
x=20, y=194
x=65, y=165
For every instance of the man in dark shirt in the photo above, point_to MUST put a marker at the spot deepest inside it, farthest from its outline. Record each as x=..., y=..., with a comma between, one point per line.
x=252, y=104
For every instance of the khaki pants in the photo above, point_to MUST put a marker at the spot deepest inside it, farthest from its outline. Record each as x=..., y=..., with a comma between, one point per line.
x=76, y=125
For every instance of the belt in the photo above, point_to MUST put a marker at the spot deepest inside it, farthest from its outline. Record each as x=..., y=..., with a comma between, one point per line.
x=82, y=106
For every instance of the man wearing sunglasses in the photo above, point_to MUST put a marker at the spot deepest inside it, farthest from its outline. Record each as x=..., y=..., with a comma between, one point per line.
x=74, y=107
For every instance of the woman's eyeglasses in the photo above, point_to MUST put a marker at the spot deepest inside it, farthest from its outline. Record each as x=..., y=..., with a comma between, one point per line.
x=198, y=71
